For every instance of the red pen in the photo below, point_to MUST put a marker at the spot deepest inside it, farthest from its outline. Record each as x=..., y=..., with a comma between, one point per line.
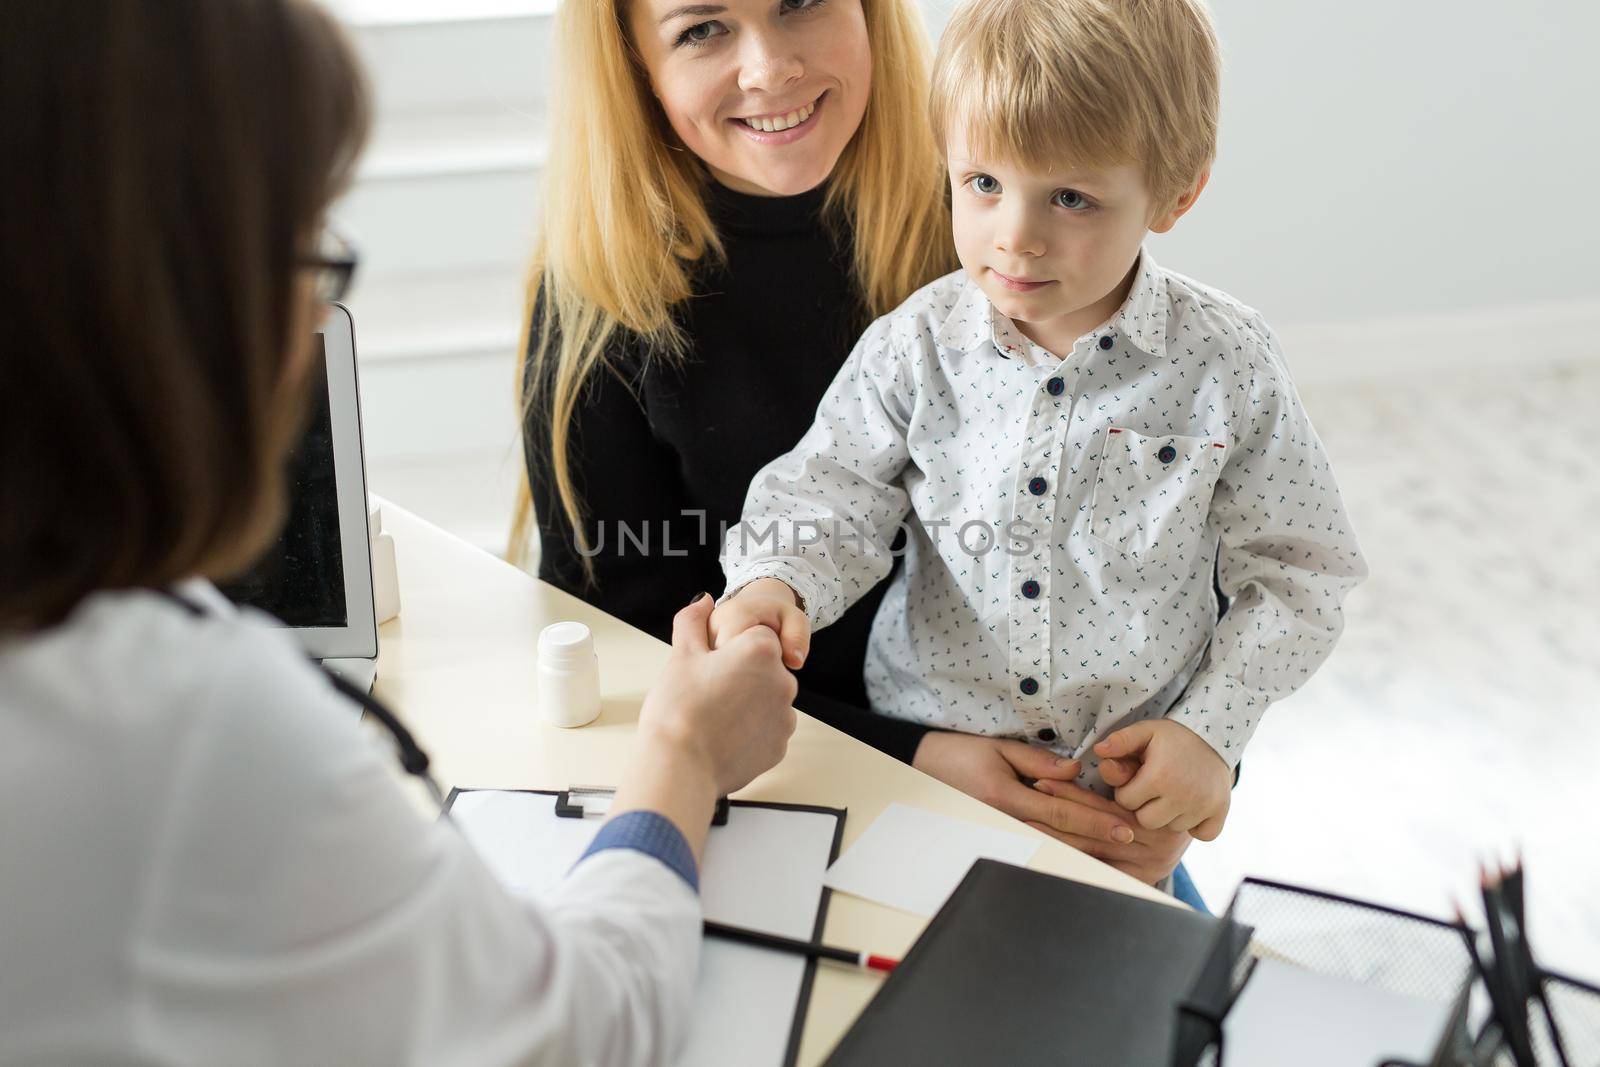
x=864, y=960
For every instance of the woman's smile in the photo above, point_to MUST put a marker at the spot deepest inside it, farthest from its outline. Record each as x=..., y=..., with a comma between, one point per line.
x=784, y=127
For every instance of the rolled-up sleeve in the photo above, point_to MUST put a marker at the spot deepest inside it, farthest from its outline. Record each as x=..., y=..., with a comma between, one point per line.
x=822, y=517
x=1287, y=558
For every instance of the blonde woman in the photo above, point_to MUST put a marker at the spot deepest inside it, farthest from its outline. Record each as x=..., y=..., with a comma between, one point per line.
x=734, y=191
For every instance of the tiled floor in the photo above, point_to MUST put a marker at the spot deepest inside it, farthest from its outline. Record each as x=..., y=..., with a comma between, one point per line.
x=1460, y=717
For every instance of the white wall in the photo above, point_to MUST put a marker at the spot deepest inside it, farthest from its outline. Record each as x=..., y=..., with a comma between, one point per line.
x=1384, y=157
x=443, y=209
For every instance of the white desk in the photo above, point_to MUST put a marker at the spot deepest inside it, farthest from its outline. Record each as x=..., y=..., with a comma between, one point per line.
x=458, y=665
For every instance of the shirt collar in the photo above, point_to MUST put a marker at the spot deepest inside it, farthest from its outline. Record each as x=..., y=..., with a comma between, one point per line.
x=201, y=592
x=973, y=323
x=1143, y=316
x=970, y=323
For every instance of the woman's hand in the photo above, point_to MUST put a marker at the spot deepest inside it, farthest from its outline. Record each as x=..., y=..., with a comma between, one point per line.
x=1150, y=856
x=729, y=709
x=765, y=602
x=992, y=770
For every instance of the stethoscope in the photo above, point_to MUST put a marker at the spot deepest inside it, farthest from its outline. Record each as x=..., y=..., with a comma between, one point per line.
x=413, y=760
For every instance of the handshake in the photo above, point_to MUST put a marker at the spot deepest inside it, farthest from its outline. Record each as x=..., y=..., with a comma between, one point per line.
x=1160, y=771
x=765, y=602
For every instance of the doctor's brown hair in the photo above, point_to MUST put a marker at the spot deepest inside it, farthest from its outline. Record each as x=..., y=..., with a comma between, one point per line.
x=170, y=162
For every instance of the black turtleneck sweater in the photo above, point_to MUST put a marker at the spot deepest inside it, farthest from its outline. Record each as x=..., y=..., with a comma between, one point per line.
x=766, y=332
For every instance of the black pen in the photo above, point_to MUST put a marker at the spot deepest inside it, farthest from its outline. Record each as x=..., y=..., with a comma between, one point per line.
x=815, y=949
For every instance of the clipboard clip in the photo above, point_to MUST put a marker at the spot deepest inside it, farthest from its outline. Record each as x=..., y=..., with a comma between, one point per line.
x=581, y=801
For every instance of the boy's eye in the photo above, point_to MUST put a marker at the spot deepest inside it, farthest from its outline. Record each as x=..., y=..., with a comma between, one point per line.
x=1071, y=199
x=985, y=184
x=700, y=33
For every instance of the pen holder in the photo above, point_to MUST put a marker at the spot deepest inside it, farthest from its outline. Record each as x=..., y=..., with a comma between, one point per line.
x=1565, y=1027
x=1575, y=1008
x=1332, y=935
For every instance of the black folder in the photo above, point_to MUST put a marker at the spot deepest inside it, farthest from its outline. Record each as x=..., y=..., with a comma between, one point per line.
x=1023, y=967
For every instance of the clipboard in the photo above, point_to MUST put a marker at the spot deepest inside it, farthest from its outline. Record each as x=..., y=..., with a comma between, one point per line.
x=821, y=835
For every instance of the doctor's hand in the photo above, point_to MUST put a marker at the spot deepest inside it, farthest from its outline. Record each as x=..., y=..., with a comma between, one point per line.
x=765, y=602
x=992, y=770
x=729, y=711
x=1168, y=776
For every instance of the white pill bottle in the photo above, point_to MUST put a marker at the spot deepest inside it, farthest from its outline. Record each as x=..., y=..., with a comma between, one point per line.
x=569, y=675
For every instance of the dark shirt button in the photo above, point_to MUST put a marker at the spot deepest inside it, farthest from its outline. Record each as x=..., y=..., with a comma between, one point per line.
x=1037, y=486
x=1029, y=686
x=1167, y=454
x=1055, y=386
x=1030, y=588
x=1046, y=735
x=1106, y=342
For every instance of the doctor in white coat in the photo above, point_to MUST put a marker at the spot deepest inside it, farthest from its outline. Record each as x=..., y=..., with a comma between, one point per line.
x=204, y=859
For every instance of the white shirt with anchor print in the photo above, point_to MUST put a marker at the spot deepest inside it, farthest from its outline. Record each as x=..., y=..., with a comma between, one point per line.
x=1063, y=517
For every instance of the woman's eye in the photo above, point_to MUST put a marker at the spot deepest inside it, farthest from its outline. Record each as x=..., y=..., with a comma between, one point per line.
x=700, y=33
x=798, y=5
x=985, y=184
x=1071, y=199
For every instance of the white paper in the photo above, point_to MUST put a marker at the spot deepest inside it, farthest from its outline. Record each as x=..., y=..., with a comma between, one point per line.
x=913, y=859
x=1287, y=1014
x=763, y=871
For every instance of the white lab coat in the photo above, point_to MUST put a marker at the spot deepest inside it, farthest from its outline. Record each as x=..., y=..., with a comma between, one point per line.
x=206, y=859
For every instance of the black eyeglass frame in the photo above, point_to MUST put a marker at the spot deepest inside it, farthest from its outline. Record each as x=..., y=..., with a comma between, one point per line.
x=335, y=264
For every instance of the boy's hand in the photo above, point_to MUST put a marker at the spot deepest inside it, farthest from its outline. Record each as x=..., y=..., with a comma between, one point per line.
x=765, y=602
x=727, y=714
x=1168, y=777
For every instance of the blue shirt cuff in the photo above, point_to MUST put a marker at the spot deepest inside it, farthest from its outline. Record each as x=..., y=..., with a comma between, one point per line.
x=652, y=834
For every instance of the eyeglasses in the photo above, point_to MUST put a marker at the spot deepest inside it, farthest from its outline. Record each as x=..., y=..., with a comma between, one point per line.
x=335, y=262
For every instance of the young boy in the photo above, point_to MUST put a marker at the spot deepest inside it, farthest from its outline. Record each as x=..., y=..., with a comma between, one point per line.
x=1081, y=438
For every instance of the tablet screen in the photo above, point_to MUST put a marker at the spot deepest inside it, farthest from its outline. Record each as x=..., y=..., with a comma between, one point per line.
x=300, y=578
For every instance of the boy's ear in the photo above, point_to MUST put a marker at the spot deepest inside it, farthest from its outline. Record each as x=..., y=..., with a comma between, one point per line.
x=1169, y=218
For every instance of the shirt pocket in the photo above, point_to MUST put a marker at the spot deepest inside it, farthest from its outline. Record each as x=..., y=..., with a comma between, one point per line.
x=1152, y=494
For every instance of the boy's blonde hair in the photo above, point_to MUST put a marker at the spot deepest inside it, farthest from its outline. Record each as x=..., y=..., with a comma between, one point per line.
x=1048, y=84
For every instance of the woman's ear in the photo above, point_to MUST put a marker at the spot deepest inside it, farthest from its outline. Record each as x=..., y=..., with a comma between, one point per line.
x=1169, y=218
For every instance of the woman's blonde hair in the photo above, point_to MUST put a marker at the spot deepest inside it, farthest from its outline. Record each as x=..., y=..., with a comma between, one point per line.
x=625, y=223
x=1043, y=83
